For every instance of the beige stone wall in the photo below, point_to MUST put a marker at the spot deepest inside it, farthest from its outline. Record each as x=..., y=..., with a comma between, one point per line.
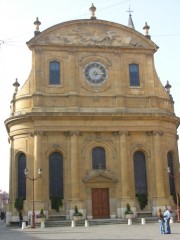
x=119, y=161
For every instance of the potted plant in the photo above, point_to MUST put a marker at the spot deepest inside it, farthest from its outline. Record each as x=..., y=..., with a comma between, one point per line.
x=128, y=212
x=41, y=216
x=77, y=215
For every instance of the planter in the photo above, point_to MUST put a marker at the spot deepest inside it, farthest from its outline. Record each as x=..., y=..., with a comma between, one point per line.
x=40, y=220
x=77, y=218
x=129, y=216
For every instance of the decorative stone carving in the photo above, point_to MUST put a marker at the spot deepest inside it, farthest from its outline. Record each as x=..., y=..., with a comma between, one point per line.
x=92, y=33
x=55, y=145
x=92, y=174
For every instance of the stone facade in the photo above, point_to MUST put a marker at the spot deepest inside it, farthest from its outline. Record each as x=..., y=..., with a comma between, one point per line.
x=76, y=116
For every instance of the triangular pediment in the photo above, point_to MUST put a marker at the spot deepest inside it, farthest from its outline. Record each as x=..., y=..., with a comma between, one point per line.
x=99, y=176
x=91, y=33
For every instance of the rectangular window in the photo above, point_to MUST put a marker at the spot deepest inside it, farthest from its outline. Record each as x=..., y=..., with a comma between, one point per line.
x=54, y=73
x=134, y=74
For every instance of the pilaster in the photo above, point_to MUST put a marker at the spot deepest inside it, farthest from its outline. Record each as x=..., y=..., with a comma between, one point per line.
x=74, y=165
x=12, y=170
x=37, y=164
x=158, y=163
x=124, y=172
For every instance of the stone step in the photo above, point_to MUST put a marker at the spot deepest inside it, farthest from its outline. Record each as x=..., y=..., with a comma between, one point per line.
x=63, y=223
x=57, y=217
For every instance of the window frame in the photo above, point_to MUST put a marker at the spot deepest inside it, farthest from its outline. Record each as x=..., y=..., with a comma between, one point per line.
x=172, y=184
x=54, y=74
x=98, y=163
x=21, y=178
x=142, y=177
x=134, y=76
x=58, y=176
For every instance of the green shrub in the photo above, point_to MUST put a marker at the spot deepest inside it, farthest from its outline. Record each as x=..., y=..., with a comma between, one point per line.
x=143, y=200
x=128, y=209
x=56, y=203
x=76, y=212
x=19, y=204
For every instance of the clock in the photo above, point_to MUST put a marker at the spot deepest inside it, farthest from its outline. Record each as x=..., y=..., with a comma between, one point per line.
x=95, y=73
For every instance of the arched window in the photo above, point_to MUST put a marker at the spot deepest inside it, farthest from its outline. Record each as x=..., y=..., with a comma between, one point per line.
x=21, y=176
x=171, y=176
x=98, y=158
x=134, y=74
x=56, y=175
x=54, y=73
x=140, y=173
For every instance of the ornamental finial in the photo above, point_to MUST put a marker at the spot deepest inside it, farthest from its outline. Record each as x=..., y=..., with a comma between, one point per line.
x=16, y=85
x=92, y=9
x=168, y=87
x=146, y=30
x=37, y=23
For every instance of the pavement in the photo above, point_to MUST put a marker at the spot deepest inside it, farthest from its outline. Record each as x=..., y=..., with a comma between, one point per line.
x=148, y=231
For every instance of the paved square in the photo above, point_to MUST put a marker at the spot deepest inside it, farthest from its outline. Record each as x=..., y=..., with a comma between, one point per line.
x=149, y=231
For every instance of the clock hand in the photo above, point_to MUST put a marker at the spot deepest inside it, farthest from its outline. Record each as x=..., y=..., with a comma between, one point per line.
x=100, y=74
x=96, y=73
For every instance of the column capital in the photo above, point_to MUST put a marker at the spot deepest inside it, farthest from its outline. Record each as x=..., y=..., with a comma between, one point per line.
x=149, y=133
x=115, y=133
x=123, y=133
x=36, y=133
x=159, y=133
x=10, y=139
x=72, y=133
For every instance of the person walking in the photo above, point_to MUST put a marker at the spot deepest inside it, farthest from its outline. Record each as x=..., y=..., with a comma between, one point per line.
x=20, y=219
x=167, y=217
x=161, y=221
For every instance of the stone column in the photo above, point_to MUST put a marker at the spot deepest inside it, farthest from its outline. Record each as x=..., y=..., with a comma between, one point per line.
x=125, y=178
x=158, y=163
x=74, y=165
x=37, y=165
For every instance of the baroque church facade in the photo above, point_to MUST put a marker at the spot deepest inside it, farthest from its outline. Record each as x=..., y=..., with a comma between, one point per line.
x=95, y=118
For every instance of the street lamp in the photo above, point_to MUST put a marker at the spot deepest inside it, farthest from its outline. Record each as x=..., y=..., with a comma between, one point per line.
x=33, y=179
x=176, y=189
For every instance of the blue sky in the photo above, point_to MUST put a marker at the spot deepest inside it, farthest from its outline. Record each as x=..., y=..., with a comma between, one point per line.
x=16, y=28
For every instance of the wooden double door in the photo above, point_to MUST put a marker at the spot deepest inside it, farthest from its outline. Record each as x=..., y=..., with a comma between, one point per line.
x=100, y=202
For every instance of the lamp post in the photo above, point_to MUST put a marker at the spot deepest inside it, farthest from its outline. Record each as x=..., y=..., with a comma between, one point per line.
x=33, y=179
x=176, y=189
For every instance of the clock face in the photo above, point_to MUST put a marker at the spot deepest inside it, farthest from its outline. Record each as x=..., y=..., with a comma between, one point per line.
x=95, y=72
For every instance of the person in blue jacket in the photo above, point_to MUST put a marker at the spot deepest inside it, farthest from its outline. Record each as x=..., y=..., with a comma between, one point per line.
x=167, y=217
